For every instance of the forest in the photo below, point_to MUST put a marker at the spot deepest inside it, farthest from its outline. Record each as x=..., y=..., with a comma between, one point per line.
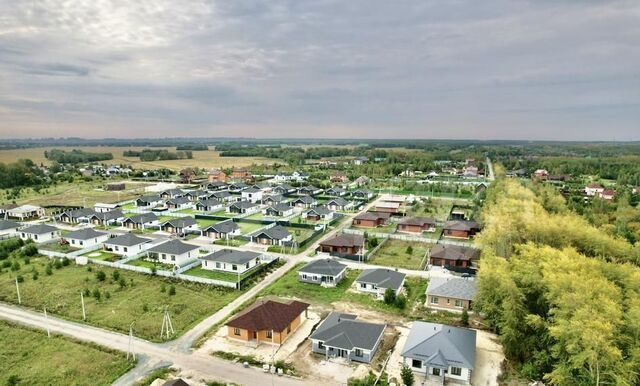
x=75, y=156
x=563, y=295
x=155, y=155
x=20, y=174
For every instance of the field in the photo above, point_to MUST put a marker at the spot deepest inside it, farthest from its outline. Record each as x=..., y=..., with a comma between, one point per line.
x=142, y=299
x=103, y=255
x=394, y=254
x=37, y=360
x=201, y=159
x=219, y=275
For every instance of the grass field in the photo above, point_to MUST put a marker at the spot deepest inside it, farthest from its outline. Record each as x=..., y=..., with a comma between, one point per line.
x=206, y=159
x=246, y=227
x=218, y=275
x=103, y=255
x=142, y=300
x=300, y=234
x=34, y=359
x=232, y=242
x=394, y=254
x=57, y=247
x=150, y=264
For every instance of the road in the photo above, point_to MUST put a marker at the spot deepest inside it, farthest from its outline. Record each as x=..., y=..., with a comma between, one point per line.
x=490, y=167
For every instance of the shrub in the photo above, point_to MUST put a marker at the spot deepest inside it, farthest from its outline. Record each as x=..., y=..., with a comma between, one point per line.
x=115, y=275
x=87, y=292
x=48, y=270
x=96, y=294
x=153, y=270
x=57, y=264
x=107, y=295
x=407, y=375
x=15, y=266
x=172, y=290
x=409, y=250
x=101, y=276
x=401, y=301
x=464, y=318
x=35, y=275
x=13, y=380
x=162, y=288
x=65, y=262
x=389, y=296
x=145, y=307
x=122, y=282
x=20, y=279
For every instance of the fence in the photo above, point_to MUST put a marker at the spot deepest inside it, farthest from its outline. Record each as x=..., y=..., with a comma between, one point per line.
x=396, y=236
x=376, y=248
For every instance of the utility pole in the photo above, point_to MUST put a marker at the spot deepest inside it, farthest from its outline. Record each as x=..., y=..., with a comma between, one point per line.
x=18, y=291
x=167, y=327
x=130, y=348
x=46, y=318
x=84, y=314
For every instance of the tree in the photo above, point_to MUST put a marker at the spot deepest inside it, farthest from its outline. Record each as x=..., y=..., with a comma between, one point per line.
x=101, y=276
x=464, y=318
x=389, y=296
x=409, y=250
x=172, y=290
x=407, y=375
x=401, y=301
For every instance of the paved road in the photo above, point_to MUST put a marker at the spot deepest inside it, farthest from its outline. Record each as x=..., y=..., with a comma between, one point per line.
x=490, y=167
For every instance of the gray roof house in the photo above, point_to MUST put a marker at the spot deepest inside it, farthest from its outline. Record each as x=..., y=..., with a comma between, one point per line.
x=283, y=189
x=326, y=272
x=86, y=236
x=7, y=226
x=179, y=224
x=279, y=210
x=276, y=235
x=39, y=229
x=75, y=215
x=441, y=352
x=337, y=203
x=304, y=201
x=376, y=281
x=318, y=213
x=127, y=240
x=221, y=229
x=336, y=191
x=173, y=252
x=454, y=294
x=195, y=194
x=139, y=220
x=106, y=217
x=273, y=199
x=341, y=335
x=209, y=205
x=222, y=196
x=309, y=190
x=171, y=193
x=231, y=260
x=148, y=200
x=242, y=207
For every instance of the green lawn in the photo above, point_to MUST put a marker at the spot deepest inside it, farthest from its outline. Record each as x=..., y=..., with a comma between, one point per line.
x=129, y=206
x=203, y=223
x=142, y=300
x=223, y=213
x=103, y=255
x=255, y=216
x=35, y=359
x=232, y=242
x=150, y=264
x=57, y=247
x=394, y=254
x=162, y=219
x=247, y=228
x=438, y=209
x=300, y=234
x=190, y=211
x=218, y=275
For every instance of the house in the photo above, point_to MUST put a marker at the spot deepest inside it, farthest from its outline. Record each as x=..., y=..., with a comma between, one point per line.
x=181, y=202
x=76, y=215
x=148, y=201
x=339, y=177
x=540, y=174
x=39, y=233
x=295, y=176
x=5, y=208
x=217, y=175
x=278, y=210
x=593, y=189
x=440, y=352
x=222, y=230
x=106, y=218
x=101, y=207
x=223, y=196
x=179, y=225
x=326, y=272
x=341, y=335
x=283, y=189
x=267, y=321
x=243, y=207
x=344, y=244
x=171, y=193
x=317, y=213
x=237, y=186
x=173, y=252
x=25, y=212
x=126, y=245
x=453, y=294
x=175, y=382
x=214, y=185
x=376, y=281
x=304, y=202
x=607, y=194
x=252, y=194
x=335, y=192
x=194, y=195
x=187, y=175
x=470, y=171
x=388, y=207
x=276, y=235
x=231, y=260
x=209, y=205
x=460, y=229
x=362, y=194
x=337, y=204
x=241, y=174
x=360, y=160
x=85, y=238
x=8, y=228
x=273, y=199
x=370, y=219
x=417, y=225
x=361, y=181
x=309, y=190
x=140, y=221
x=444, y=255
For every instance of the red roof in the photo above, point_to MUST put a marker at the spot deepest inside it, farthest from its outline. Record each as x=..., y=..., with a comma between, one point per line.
x=268, y=315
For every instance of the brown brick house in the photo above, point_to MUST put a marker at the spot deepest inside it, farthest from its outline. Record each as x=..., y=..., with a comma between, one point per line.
x=370, y=219
x=241, y=174
x=217, y=175
x=267, y=321
x=460, y=229
x=346, y=244
x=443, y=255
x=417, y=225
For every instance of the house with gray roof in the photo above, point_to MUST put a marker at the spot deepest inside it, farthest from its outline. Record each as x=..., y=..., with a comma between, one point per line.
x=181, y=202
x=223, y=196
x=317, y=213
x=76, y=215
x=9, y=228
x=127, y=244
x=376, y=281
x=243, y=207
x=451, y=294
x=209, y=205
x=336, y=191
x=149, y=201
x=340, y=335
x=140, y=221
x=325, y=272
x=273, y=199
x=171, y=193
x=106, y=218
x=278, y=210
x=237, y=186
x=252, y=194
x=309, y=190
x=276, y=235
x=195, y=195
x=362, y=194
x=231, y=260
x=86, y=237
x=173, y=252
x=283, y=189
x=440, y=352
x=338, y=203
x=304, y=202
x=214, y=185
x=39, y=233
x=179, y=225
x=222, y=230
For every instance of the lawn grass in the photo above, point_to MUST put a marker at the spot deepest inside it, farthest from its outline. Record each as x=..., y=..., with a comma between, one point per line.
x=219, y=275
x=142, y=300
x=35, y=359
x=203, y=223
x=394, y=254
x=231, y=242
x=103, y=255
x=150, y=264
x=190, y=211
x=255, y=216
x=57, y=247
x=300, y=234
x=438, y=209
x=246, y=227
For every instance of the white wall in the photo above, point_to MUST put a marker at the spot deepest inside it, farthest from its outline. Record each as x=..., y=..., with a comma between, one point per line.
x=39, y=238
x=87, y=243
x=127, y=251
x=177, y=259
x=227, y=267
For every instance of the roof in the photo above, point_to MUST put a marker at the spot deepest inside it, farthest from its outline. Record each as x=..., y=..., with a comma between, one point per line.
x=127, y=240
x=178, y=200
x=374, y=216
x=285, y=187
x=343, y=331
x=196, y=193
x=221, y=194
x=461, y=225
x=175, y=382
x=595, y=185
x=252, y=190
x=365, y=192
x=319, y=210
x=328, y=267
x=274, y=198
x=280, y=207
x=277, y=232
x=39, y=229
x=309, y=188
x=24, y=208
x=268, y=315
x=142, y=218
x=5, y=224
x=454, y=252
x=84, y=234
x=339, y=201
x=435, y=343
x=173, y=247
x=453, y=288
x=209, y=202
x=226, y=226
x=81, y=212
x=231, y=256
x=110, y=215
x=420, y=221
x=383, y=278
x=242, y=205
x=344, y=240
x=390, y=205
x=305, y=200
x=181, y=222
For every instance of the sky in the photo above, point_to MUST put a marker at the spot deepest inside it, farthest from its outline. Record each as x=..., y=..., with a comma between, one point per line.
x=495, y=69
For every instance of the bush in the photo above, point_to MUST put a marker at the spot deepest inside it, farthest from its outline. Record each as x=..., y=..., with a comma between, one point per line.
x=407, y=375
x=20, y=279
x=15, y=266
x=107, y=295
x=65, y=262
x=101, y=276
x=116, y=276
x=409, y=250
x=162, y=288
x=96, y=294
x=13, y=380
x=464, y=318
x=153, y=270
x=401, y=301
x=389, y=296
x=57, y=264
x=48, y=270
x=122, y=282
x=145, y=307
x=35, y=275
x=30, y=250
x=172, y=290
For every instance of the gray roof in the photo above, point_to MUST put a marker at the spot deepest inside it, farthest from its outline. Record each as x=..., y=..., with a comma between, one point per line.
x=226, y=226
x=275, y=233
x=305, y=200
x=150, y=198
x=110, y=215
x=383, y=278
x=329, y=267
x=81, y=212
x=5, y=224
x=309, y=188
x=142, y=218
x=243, y=205
x=319, y=210
x=219, y=195
x=420, y=221
x=209, y=202
x=173, y=192
x=454, y=252
x=284, y=187
x=461, y=225
x=335, y=190
x=275, y=198
x=127, y=240
x=280, y=207
x=435, y=343
x=84, y=234
x=39, y=229
x=364, y=192
x=173, y=247
x=181, y=222
x=373, y=216
x=178, y=200
x=252, y=190
x=343, y=331
x=337, y=201
x=196, y=193
x=455, y=288
x=231, y=256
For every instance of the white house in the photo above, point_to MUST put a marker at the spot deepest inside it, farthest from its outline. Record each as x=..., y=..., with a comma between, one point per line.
x=85, y=238
x=593, y=189
x=39, y=233
x=252, y=194
x=9, y=228
x=317, y=213
x=24, y=212
x=100, y=207
x=231, y=260
x=127, y=245
x=376, y=281
x=173, y=252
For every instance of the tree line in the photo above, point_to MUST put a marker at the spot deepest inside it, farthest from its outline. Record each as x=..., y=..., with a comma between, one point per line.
x=158, y=155
x=75, y=156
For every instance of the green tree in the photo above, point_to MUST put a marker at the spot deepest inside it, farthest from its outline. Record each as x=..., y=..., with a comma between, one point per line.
x=389, y=296
x=407, y=375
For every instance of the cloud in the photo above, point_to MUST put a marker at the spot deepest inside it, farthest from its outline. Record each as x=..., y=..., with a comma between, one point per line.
x=413, y=69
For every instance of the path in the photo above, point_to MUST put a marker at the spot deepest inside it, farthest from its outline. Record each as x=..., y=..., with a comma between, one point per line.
x=490, y=167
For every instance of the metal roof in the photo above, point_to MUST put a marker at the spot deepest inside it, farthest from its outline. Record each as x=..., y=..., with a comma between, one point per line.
x=84, y=234
x=231, y=256
x=173, y=247
x=452, y=288
x=39, y=229
x=329, y=267
x=434, y=341
x=127, y=240
x=383, y=278
x=226, y=226
x=343, y=331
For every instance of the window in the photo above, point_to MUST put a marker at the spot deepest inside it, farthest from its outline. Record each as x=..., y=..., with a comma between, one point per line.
x=234, y=267
x=269, y=334
x=304, y=276
x=435, y=371
x=80, y=242
x=173, y=257
x=236, y=331
x=315, y=278
x=164, y=256
x=363, y=285
x=125, y=249
x=358, y=352
x=458, y=303
x=456, y=371
x=217, y=265
x=434, y=300
x=246, y=265
x=417, y=363
x=320, y=345
x=448, y=301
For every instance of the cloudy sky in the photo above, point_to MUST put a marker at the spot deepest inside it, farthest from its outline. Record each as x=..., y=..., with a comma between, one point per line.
x=498, y=69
